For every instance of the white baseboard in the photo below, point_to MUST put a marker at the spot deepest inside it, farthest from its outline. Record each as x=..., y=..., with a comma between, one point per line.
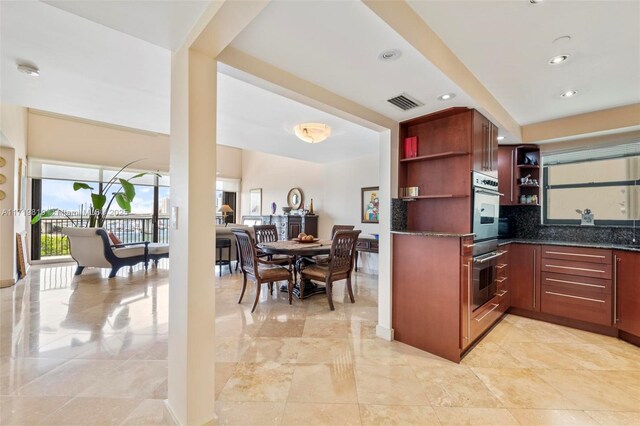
x=168, y=416
x=384, y=332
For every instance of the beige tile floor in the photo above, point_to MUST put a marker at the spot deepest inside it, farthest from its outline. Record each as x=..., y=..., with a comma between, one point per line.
x=87, y=350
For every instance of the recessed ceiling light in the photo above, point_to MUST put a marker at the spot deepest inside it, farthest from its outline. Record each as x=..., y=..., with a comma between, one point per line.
x=390, y=55
x=569, y=93
x=565, y=39
x=446, y=96
x=500, y=138
x=535, y=1
x=558, y=59
x=29, y=70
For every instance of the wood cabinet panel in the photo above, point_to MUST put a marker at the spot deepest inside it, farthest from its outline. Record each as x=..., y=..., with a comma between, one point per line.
x=485, y=316
x=466, y=278
x=507, y=176
x=590, y=304
x=525, y=276
x=583, y=269
x=579, y=254
x=627, y=292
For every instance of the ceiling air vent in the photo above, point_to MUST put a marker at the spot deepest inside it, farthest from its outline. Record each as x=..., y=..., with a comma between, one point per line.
x=405, y=102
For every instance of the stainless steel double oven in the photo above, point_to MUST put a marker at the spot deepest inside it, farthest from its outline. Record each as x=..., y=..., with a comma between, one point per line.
x=485, y=218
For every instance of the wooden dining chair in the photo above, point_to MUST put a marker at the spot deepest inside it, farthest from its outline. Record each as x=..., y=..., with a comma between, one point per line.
x=338, y=265
x=269, y=234
x=337, y=228
x=258, y=269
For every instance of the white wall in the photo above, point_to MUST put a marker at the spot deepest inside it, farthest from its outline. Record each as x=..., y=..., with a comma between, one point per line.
x=228, y=162
x=13, y=146
x=335, y=189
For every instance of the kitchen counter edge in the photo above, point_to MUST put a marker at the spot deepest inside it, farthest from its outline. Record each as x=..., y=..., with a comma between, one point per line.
x=432, y=234
x=635, y=248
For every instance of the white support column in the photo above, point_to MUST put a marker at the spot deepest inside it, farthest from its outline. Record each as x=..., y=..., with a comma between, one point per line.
x=191, y=358
x=388, y=189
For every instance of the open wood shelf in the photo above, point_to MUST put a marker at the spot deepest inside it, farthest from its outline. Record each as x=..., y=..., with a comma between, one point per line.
x=527, y=166
x=426, y=197
x=525, y=185
x=434, y=156
x=528, y=204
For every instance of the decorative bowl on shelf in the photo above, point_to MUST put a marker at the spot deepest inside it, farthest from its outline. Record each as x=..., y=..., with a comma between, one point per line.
x=286, y=209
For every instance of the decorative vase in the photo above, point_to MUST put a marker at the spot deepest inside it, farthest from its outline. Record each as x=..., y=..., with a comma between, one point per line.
x=273, y=208
x=311, y=207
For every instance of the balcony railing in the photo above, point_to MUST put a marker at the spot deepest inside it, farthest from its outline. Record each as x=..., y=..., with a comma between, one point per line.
x=129, y=229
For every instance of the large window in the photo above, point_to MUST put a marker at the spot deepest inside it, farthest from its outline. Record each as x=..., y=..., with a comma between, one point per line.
x=604, y=180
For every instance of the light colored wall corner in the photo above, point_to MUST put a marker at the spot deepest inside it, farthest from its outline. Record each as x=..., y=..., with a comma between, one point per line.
x=13, y=125
x=229, y=162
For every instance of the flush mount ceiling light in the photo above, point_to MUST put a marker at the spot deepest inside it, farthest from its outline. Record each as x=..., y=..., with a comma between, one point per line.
x=569, y=94
x=500, y=138
x=390, y=55
x=29, y=70
x=558, y=59
x=535, y=1
x=446, y=96
x=312, y=132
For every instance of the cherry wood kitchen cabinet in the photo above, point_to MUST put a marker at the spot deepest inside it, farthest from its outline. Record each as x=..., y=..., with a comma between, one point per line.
x=485, y=145
x=451, y=143
x=525, y=276
x=627, y=292
x=507, y=176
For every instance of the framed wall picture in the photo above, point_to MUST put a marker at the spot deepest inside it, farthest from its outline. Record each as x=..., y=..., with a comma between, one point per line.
x=255, y=202
x=370, y=205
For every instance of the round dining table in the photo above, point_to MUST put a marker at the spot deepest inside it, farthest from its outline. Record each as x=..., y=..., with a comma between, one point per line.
x=299, y=250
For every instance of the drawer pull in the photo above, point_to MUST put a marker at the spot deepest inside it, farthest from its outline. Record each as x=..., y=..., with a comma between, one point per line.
x=495, y=306
x=575, y=254
x=576, y=283
x=575, y=269
x=502, y=265
x=503, y=292
x=501, y=280
x=574, y=297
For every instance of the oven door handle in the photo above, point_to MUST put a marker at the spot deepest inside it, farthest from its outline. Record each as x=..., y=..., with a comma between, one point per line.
x=487, y=192
x=489, y=257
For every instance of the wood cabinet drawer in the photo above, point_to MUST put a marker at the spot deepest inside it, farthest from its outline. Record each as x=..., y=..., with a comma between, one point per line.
x=467, y=246
x=361, y=245
x=577, y=284
x=501, y=270
x=585, y=305
x=578, y=254
x=583, y=269
x=489, y=313
x=374, y=244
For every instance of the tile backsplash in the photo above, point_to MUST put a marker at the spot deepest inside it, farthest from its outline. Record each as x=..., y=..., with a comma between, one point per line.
x=525, y=223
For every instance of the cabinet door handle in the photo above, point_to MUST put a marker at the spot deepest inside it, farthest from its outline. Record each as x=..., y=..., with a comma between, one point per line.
x=575, y=283
x=615, y=289
x=573, y=268
x=575, y=254
x=534, y=279
x=469, y=300
x=495, y=306
x=574, y=297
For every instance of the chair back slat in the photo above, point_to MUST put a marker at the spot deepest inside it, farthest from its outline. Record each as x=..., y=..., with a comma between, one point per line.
x=337, y=228
x=343, y=249
x=246, y=251
x=266, y=233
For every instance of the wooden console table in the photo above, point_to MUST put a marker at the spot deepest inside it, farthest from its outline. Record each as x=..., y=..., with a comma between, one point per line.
x=368, y=245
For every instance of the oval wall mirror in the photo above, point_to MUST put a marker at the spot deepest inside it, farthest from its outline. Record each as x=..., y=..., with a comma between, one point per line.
x=294, y=198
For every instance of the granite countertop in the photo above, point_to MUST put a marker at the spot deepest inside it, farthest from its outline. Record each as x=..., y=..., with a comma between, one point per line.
x=431, y=234
x=629, y=247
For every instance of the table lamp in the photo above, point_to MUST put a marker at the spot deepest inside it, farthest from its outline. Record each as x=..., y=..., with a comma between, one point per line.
x=225, y=209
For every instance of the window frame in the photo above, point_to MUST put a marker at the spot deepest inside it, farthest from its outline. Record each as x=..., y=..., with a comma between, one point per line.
x=603, y=222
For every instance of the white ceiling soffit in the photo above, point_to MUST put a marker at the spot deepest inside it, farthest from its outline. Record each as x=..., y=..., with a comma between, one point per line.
x=336, y=46
x=507, y=44
x=255, y=119
x=163, y=23
x=86, y=70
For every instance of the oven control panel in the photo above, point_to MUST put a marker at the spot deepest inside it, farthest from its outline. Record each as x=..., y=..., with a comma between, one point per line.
x=483, y=181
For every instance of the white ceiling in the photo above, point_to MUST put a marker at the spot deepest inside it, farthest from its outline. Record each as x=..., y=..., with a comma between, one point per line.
x=506, y=44
x=86, y=70
x=256, y=119
x=163, y=23
x=336, y=45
